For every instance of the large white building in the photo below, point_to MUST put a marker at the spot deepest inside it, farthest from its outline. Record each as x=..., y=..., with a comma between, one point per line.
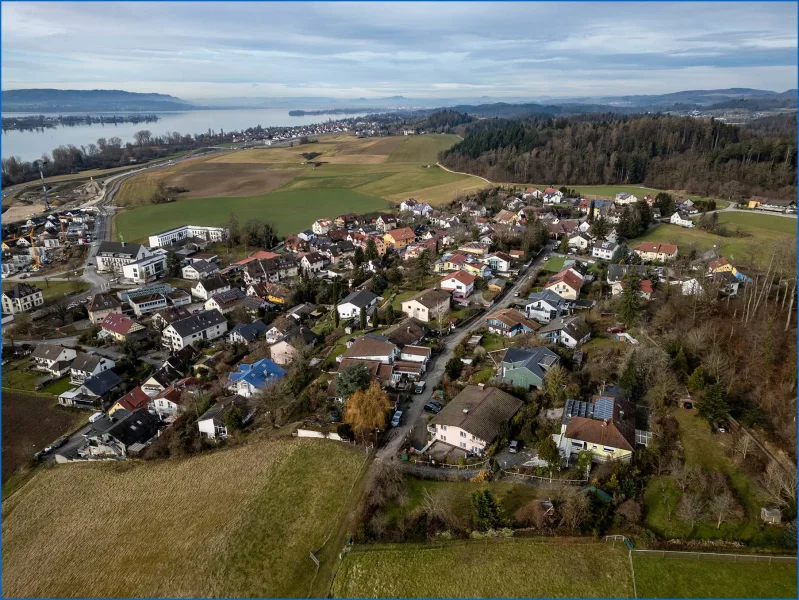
x=21, y=298
x=146, y=269
x=169, y=237
x=207, y=325
x=113, y=256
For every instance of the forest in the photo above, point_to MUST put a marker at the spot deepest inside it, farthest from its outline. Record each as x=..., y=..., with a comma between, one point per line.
x=704, y=157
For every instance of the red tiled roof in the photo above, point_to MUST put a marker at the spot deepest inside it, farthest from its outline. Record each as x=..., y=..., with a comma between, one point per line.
x=403, y=233
x=265, y=254
x=136, y=398
x=566, y=277
x=118, y=323
x=462, y=276
x=719, y=262
x=656, y=248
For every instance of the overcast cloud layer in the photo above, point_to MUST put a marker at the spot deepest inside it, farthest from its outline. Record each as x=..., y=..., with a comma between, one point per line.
x=207, y=50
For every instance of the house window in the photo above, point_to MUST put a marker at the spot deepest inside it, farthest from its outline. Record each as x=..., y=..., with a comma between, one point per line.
x=606, y=449
x=463, y=444
x=444, y=427
x=443, y=438
x=463, y=434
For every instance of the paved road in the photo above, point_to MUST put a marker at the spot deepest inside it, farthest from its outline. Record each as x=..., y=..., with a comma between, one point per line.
x=414, y=412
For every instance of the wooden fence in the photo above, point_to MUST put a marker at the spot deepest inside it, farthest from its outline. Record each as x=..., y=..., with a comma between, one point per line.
x=544, y=479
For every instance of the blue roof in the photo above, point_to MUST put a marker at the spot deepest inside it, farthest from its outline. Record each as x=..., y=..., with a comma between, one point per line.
x=532, y=359
x=258, y=374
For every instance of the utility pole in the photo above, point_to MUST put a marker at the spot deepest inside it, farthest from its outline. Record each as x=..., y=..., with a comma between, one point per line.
x=40, y=164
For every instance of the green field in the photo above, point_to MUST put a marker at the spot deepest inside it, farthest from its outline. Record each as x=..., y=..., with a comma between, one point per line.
x=290, y=211
x=348, y=175
x=755, y=249
x=496, y=568
x=554, y=264
x=689, y=578
x=609, y=192
x=231, y=523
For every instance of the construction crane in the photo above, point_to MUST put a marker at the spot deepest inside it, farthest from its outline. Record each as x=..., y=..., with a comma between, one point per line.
x=40, y=164
x=29, y=235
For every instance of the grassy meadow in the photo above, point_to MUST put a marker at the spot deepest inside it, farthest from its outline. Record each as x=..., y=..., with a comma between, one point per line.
x=609, y=192
x=346, y=174
x=236, y=522
x=690, y=578
x=493, y=568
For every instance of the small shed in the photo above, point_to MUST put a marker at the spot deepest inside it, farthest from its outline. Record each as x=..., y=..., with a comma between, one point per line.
x=772, y=516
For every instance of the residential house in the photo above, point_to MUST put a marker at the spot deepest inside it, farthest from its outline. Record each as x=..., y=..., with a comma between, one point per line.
x=321, y=226
x=646, y=288
x=372, y=347
x=281, y=327
x=580, y=241
x=86, y=365
x=526, y=367
x=279, y=268
x=552, y=196
x=178, y=297
x=170, y=401
x=205, y=288
x=722, y=265
x=475, y=248
x=605, y=427
x=159, y=380
x=123, y=437
x=135, y=399
x=385, y=223
x=407, y=332
x=350, y=306
x=499, y=262
x=312, y=263
x=565, y=284
x=476, y=268
x=121, y=327
x=623, y=199
x=101, y=305
x=147, y=303
x=399, y=238
x=688, y=286
x=604, y=250
x=570, y=331
x=93, y=392
x=199, y=269
x=473, y=419
x=226, y=301
x=531, y=193
x=113, y=256
x=509, y=322
x=727, y=282
x=249, y=379
x=167, y=315
x=617, y=272
x=652, y=252
x=246, y=333
x=461, y=284
x=53, y=359
x=286, y=349
x=204, y=326
x=21, y=297
x=681, y=219
x=347, y=220
x=428, y=305
x=497, y=284
x=417, y=354
x=212, y=422
x=506, y=217
x=452, y=262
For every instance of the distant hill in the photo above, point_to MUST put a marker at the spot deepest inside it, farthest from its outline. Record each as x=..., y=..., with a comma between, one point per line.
x=51, y=100
x=701, y=98
x=784, y=100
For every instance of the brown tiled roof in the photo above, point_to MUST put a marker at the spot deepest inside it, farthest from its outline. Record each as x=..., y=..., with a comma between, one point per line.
x=431, y=298
x=136, y=398
x=417, y=350
x=567, y=277
x=367, y=346
x=103, y=302
x=610, y=433
x=462, y=276
x=403, y=233
x=479, y=411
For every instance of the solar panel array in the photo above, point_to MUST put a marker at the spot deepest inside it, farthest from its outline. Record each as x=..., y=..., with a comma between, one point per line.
x=578, y=408
x=603, y=408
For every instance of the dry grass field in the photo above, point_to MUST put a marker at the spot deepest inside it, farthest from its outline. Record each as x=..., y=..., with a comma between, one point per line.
x=236, y=522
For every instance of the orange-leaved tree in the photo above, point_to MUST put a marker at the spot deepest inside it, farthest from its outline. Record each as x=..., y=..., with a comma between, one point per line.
x=367, y=409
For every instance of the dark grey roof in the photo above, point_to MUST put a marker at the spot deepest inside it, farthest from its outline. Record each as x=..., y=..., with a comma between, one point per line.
x=536, y=360
x=617, y=272
x=214, y=283
x=166, y=375
x=102, y=383
x=360, y=298
x=85, y=362
x=218, y=410
x=431, y=298
x=20, y=290
x=479, y=411
x=408, y=331
x=118, y=248
x=139, y=426
x=547, y=296
x=48, y=351
x=199, y=322
x=250, y=331
x=103, y=302
x=204, y=266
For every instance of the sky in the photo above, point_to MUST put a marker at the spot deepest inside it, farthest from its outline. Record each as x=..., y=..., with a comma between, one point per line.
x=418, y=50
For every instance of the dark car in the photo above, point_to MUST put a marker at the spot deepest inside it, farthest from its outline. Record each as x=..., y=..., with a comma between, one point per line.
x=60, y=442
x=433, y=407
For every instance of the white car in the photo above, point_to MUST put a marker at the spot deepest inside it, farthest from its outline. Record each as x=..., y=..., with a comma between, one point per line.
x=395, y=420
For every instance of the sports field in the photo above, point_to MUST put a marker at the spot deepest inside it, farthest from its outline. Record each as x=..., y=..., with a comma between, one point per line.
x=763, y=232
x=337, y=174
x=230, y=523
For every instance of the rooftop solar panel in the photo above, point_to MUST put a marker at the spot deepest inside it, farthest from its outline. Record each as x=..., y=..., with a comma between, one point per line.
x=603, y=408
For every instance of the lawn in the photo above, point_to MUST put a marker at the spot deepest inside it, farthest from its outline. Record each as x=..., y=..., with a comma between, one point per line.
x=753, y=249
x=290, y=211
x=690, y=578
x=497, y=568
x=401, y=297
x=493, y=341
x=482, y=376
x=757, y=223
x=261, y=509
x=58, y=387
x=17, y=375
x=55, y=289
x=702, y=449
x=554, y=264
x=31, y=422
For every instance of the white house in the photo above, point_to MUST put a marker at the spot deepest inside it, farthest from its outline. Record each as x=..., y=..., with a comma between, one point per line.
x=204, y=326
x=499, y=262
x=205, y=288
x=312, y=263
x=428, y=305
x=147, y=303
x=546, y=305
x=21, y=297
x=579, y=241
x=350, y=307
x=147, y=268
x=569, y=331
x=321, y=226
x=681, y=219
x=113, y=256
x=372, y=347
x=623, y=198
x=688, y=286
x=199, y=269
x=460, y=283
x=604, y=250
x=53, y=359
x=212, y=422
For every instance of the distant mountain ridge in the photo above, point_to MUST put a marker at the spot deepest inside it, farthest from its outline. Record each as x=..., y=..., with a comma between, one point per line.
x=54, y=100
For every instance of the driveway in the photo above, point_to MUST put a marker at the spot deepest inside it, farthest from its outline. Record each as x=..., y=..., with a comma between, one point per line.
x=414, y=412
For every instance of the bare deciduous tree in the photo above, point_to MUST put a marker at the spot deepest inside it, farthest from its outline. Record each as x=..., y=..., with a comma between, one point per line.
x=723, y=506
x=690, y=509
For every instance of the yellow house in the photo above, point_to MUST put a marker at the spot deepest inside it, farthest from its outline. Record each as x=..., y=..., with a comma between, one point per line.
x=754, y=203
x=721, y=265
x=399, y=238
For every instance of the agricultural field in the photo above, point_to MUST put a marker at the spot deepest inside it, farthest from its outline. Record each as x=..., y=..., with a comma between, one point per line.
x=493, y=568
x=763, y=231
x=657, y=577
x=261, y=509
x=31, y=422
x=332, y=174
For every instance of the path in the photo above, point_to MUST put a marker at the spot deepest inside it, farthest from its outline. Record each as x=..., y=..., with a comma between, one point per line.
x=414, y=412
x=462, y=173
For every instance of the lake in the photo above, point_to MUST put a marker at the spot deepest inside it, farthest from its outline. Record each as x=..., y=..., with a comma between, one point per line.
x=30, y=145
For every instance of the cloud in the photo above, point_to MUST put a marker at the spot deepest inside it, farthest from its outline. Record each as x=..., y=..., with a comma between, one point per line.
x=203, y=50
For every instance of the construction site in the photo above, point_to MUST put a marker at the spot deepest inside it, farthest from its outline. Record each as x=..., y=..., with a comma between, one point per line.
x=33, y=200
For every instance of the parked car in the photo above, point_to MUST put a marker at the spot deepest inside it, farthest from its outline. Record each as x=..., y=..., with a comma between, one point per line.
x=95, y=417
x=513, y=447
x=395, y=420
x=616, y=329
x=433, y=407
x=60, y=442
x=516, y=294
x=419, y=387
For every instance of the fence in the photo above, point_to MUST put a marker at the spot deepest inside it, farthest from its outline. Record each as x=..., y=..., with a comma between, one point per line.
x=544, y=479
x=436, y=465
x=742, y=558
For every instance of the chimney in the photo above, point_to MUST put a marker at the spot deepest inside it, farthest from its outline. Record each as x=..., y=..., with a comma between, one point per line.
x=465, y=411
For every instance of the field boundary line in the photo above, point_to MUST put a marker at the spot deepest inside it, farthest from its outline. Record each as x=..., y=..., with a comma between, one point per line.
x=632, y=570
x=726, y=557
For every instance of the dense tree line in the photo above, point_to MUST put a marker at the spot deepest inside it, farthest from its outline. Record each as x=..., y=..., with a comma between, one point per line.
x=445, y=120
x=700, y=156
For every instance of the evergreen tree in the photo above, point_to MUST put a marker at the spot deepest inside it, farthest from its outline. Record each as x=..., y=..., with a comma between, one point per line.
x=630, y=305
x=600, y=228
x=713, y=405
x=680, y=364
x=696, y=382
x=626, y=226
x=487, y=510
x=389, y=314
x=371, y=250
x=363, y=318
x=335, y=315
x=234, y=419
x=358, y=258
x=591, y=212
x=375, y=318
x=665, y=203
x=630, y=381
